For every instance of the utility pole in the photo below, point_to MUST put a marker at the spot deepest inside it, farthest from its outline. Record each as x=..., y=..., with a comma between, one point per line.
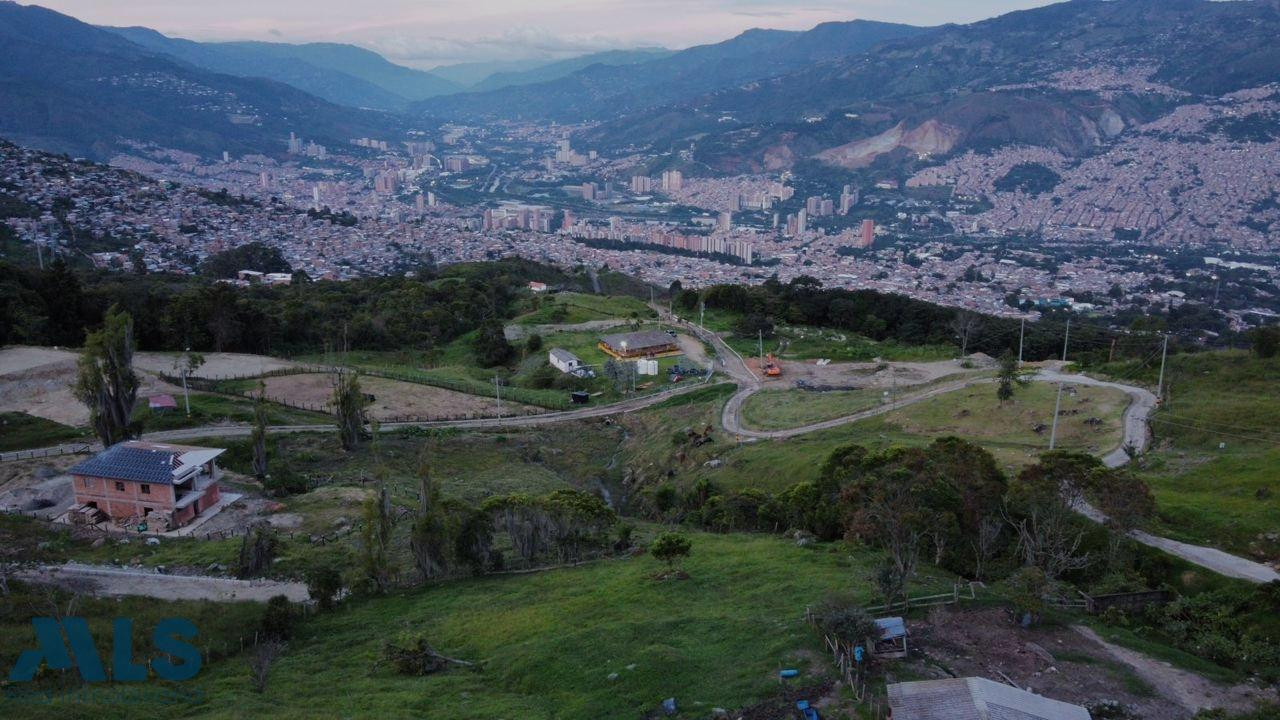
x=1112, y=356
x=1021, y=335
x=702, y=313
x=1164, y=354
x=760, y=341
x=1065, y=339
x=1053, y=434
x=497, y=389
x=186, y=366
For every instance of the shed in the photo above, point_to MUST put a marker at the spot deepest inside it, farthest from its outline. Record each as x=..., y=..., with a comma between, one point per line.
x=160, y=403
x=648, y=343
x=975, y=699
x=892, y=642
x=563, y=360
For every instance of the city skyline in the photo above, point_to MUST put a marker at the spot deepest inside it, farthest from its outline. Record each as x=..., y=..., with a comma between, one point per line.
x=443, y=32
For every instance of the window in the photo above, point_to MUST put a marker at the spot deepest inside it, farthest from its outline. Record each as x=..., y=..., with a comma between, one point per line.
x=120, y=486
x=146, y=489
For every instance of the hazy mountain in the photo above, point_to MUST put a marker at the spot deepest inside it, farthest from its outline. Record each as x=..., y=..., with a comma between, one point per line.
x=75, y=88
x=343, y=74
x=561, y=68
x=1065, y=76
x=468, y=74
x=604, y=91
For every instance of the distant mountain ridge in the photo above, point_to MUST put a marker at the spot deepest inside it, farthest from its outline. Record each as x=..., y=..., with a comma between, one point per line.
x=560, y=68
x=603, y=91
x=1033, y=77
x=342, y=74
x=70, y=87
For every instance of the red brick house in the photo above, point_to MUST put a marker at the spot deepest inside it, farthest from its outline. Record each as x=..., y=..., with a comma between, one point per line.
x=165, y=486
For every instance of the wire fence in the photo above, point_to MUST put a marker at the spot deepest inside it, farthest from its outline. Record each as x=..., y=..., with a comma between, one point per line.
x=46, y=452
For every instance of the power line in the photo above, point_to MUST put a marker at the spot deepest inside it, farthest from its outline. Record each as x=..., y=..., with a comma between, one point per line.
x=1274, y=441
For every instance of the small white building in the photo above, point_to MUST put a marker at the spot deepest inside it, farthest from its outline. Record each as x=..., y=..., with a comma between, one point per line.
x=564, y=361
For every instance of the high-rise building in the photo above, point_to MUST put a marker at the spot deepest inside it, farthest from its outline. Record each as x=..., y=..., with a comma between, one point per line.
x=568, y=220
x=848, y=198
x=672, y=181
x=641, y=184
x=588, y=191
x=802, y=222
x=724, y=223
x=868, y=233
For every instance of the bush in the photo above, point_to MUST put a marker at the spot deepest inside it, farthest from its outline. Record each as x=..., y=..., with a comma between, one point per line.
x=277, y=621
x=671, y=548
x=324, y=583
x=840, y=616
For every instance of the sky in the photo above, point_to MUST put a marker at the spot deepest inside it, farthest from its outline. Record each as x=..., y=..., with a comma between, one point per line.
x=428, y=33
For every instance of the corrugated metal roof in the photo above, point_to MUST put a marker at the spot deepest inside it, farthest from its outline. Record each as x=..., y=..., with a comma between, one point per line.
x=892, y=627
x=975, y=699
x=638, y=340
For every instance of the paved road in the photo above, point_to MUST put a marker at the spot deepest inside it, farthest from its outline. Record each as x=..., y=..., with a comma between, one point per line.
x=105, y=580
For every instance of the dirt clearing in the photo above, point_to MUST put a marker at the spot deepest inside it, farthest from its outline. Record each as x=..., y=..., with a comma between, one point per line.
x=1060, y=663
x=392, y=399
x=216, y=365
x=38, y=381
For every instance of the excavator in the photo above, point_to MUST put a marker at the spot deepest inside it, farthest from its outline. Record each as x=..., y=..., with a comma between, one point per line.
x=771, y=367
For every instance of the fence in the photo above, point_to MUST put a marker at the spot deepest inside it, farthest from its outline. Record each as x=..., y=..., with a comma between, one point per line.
x=951, y=598
x=46, y=452
x=1125, y=601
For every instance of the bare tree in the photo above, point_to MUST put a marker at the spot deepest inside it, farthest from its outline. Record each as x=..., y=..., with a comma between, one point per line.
x=186, y=364
x=260, y=661
x=965, y=325
x=986, y=544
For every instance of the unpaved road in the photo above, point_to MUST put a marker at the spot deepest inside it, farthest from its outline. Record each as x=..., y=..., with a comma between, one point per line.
x=103, y=580
x=1142, y=403
x=1188, y=690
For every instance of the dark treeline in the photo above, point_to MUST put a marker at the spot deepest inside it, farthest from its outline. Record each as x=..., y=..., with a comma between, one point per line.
x=59, y=305
x=882, y=316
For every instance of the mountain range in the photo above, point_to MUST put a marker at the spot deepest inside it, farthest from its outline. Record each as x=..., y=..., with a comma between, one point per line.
x=70, y=87
x=1066, y=76
x=602, y=91
x=341, y=74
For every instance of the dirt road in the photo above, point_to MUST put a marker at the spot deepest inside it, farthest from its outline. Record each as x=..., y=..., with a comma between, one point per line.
x=102, y=580
x=1188, y=690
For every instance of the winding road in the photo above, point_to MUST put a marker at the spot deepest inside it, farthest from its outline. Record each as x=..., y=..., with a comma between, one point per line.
x=730, y=362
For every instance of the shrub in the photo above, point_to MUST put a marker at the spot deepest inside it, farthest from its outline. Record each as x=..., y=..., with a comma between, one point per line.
x=840, y=616
x=277, y=621
x=671, y=548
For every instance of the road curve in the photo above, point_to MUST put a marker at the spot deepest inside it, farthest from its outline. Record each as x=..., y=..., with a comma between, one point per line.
x=1136, y=435
x=1142, y=403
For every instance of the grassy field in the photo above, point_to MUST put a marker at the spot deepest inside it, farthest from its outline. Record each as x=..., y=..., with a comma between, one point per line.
x=547, y=642
x=1008, y=432
x=782, y=409
x=216, y=409
x=19, y=431
x=801, y=342
x=570, y=308
x=1217, y=444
